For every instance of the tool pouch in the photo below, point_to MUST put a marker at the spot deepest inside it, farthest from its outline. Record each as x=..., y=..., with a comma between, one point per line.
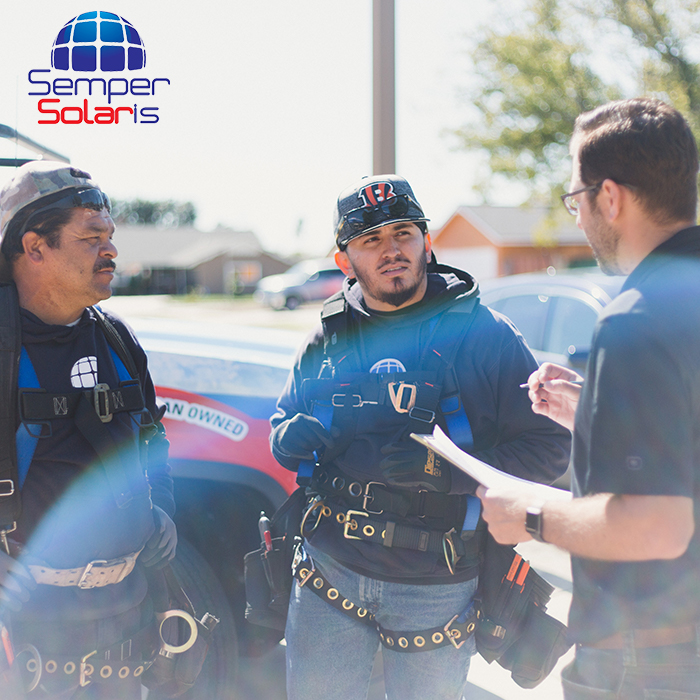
x=268, y=575
x=184, y=641
x=515, y=629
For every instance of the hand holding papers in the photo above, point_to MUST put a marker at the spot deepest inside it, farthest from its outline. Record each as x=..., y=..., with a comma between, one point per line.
x=485, y=474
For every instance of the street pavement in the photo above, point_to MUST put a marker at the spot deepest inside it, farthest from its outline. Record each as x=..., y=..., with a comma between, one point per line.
x=263, y=678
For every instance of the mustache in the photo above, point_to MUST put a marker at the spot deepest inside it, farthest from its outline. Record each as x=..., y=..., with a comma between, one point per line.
x=389, y=263
x=105, y=265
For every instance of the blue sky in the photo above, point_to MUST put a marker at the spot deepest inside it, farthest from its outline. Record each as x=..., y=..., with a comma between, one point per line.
x=268, y=112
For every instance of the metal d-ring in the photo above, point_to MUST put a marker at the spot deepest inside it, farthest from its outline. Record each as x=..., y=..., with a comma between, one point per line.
x=169, y=648
x=316, y=504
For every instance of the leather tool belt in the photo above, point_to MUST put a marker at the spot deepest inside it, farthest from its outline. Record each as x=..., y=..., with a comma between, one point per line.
x=455, y=632
x=359, y=525
x=129, y=658
x=644, y=639
x=95, y=574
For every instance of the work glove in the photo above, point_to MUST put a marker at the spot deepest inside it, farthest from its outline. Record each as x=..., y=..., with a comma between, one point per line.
x=415, y=467
x=161, y=545
x=16, y=583
x=301, y=436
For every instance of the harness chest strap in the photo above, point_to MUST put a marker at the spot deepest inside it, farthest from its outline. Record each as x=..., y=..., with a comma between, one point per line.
x=455, y=632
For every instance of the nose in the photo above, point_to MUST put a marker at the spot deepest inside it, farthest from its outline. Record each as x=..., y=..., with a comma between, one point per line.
x=391, y=247
x=109, y=250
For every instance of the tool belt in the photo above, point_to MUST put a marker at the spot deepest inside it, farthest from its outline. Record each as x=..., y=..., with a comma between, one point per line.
x=359, y=525
x=377, y=498
x=95, y=574
x=120, y=661
x=455, y=632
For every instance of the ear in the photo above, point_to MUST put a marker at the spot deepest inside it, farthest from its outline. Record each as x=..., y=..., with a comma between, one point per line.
x=34, y=246
x=428, y=246
x=610, y=200
x=343, y=262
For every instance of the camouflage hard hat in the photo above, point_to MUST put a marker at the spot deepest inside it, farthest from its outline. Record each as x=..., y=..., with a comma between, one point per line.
x=374, y=202
x=34, y=181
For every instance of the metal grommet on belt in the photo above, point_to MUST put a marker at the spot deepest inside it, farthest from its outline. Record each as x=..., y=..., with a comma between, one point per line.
x=355, y=489
x=338, y=483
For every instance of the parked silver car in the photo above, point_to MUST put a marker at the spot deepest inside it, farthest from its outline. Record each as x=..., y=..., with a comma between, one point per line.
x=555, y=312
x=310, y=280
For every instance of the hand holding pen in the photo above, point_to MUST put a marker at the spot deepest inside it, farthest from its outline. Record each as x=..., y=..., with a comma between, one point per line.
x=554, y=392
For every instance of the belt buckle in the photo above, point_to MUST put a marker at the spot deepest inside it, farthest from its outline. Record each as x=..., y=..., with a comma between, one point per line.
x=84, y=583
x=452, y=634
x=100, y=394
x=367, y=498
x=348, y=523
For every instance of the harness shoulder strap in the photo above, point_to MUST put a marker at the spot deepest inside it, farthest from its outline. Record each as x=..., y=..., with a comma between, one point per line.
x=117, y=344
x=10, y=346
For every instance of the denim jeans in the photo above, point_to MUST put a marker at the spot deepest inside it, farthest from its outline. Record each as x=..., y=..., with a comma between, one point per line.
x=661, y=673
x=330, y=656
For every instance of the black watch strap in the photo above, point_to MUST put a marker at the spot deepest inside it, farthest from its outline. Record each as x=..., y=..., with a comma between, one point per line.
x=533, y=523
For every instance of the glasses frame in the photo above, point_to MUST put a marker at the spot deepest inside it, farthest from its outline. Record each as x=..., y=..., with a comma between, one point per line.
x=572, y=206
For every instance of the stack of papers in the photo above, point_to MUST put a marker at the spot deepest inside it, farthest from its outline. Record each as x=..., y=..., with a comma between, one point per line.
x=485, y=474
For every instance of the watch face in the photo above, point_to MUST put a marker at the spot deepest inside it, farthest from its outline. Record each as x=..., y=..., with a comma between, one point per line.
x=533, y=523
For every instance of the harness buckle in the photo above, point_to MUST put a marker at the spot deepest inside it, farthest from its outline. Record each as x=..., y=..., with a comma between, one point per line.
x=349, y=522
x=396, y=394
x=453, y=634
x=368, y=497
x=451, y=558
x=84, y=673
x=100, y=394
x=7, y=487
x=421, y=414
x=338, y=401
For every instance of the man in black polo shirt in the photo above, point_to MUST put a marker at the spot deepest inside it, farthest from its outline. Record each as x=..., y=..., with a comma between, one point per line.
x=635, y=614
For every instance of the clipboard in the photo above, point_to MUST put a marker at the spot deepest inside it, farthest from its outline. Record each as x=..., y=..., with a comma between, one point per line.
x=485, y=474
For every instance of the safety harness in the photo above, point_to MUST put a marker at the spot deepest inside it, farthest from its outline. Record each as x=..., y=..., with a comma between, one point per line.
x=374, y=509
x=22, y=397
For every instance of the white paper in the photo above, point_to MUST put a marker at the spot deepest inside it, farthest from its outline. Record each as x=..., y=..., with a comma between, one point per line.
x=484, y=473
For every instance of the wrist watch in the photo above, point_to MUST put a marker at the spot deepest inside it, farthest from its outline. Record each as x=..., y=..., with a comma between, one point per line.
x=533, y=523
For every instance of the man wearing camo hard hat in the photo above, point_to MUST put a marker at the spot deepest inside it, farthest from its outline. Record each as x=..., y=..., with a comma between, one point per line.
x=85, y=518
x=390, y=542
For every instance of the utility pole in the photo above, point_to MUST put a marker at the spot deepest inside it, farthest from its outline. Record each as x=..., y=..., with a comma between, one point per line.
x=384, y=87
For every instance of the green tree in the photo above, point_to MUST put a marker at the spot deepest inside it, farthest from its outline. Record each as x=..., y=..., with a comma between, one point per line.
x=557, y=59
x=163, y=213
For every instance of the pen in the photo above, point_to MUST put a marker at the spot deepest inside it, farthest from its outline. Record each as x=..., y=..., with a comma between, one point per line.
x=578, y=382
x=264, y=529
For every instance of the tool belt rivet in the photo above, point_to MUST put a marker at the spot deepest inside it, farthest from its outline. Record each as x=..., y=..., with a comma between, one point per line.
x=403, y=642
x=318, y=583
x=51, y=666
x=69, y=668
x=419, y=641
x=123, y=672
x=437, y=637
x=332, y=593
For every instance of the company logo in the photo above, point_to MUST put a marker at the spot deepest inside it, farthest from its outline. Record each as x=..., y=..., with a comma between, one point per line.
x=375, y=194
x=100, y=49
x=83, y=374
x=387, y=366
x=98, y=40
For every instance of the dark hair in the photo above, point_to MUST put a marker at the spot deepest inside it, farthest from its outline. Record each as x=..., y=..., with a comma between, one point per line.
x=646, y=144
x=47, y=224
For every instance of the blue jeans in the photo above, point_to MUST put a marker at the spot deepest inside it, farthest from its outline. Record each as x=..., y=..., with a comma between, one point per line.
x=330, y=656
x=661, y=673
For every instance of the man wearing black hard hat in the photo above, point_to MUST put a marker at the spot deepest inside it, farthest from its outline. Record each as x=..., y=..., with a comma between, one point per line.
x=390, y=553
x=86, y=490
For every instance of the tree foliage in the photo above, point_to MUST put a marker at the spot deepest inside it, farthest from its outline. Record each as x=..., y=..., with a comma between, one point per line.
x=540, y=69
x=166, y=214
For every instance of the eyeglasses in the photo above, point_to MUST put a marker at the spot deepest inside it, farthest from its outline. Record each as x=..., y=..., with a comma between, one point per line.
x=571, y=204
x=397, y=207
x=90, y=198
